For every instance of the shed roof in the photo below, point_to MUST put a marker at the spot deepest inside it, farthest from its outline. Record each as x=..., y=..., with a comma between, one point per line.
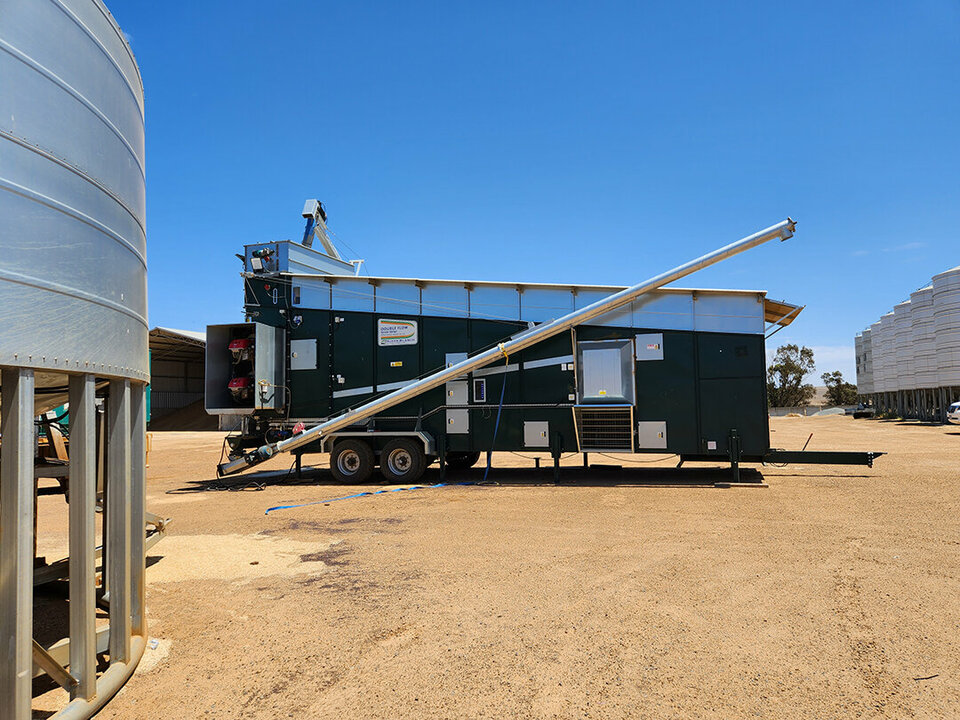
x=182, y=345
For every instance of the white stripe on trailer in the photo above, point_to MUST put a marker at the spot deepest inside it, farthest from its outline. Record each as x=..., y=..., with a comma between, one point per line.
x=353, y=391
x=547, y=362
x=394, y=385
x=497, y=370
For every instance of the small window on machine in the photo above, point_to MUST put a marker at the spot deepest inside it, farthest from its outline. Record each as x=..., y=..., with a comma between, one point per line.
x=479, y=391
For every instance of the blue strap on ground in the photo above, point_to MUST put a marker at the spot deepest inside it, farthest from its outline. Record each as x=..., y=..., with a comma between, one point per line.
x=363, y=494
x=496, y=427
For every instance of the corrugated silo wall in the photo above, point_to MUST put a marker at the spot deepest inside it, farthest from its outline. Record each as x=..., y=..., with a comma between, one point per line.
x=73, y=292
x=908, y=362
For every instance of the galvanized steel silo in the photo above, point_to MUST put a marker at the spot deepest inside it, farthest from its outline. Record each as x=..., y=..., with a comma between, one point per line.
x=858, y=354
x=73, y=281
x=903, y=345
x=946, y=324
x=876, y=336
x=866, y=362
x=73, y=288
x=888, y=354
x=923, y=337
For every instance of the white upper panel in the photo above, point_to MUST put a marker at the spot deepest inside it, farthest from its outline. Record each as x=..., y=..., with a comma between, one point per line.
x=443, y=300
x=353, y=294
x=734, y=311
x=398, y=297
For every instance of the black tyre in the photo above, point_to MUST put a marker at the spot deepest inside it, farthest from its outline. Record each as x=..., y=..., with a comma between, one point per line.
x=402, y=461
x=462, y=460
x=352, y=461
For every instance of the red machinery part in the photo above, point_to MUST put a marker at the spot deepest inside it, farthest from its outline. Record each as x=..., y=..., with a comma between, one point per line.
x=240, y=348
x=240, y=388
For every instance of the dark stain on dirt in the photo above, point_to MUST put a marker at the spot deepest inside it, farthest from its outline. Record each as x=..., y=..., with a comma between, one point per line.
x=341, y=584
x=334, y=528
x=330, y=556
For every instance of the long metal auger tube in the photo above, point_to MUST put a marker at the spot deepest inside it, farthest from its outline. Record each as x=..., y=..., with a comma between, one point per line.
x=521, y=341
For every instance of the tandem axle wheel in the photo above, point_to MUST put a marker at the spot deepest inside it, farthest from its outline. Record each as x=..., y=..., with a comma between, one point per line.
x=402, y=460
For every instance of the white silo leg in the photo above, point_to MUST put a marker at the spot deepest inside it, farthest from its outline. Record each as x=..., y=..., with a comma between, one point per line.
x=118, y=518
x=83, y=560
x=16, y=544
x=138, y=477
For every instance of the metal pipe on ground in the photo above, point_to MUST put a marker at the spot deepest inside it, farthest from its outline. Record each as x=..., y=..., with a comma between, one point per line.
x=523, y=340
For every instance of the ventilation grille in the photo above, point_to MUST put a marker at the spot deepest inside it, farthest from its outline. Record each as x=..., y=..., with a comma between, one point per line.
x=604, y=429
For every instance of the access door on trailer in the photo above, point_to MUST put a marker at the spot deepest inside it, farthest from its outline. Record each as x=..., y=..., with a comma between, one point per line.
x=352, y=369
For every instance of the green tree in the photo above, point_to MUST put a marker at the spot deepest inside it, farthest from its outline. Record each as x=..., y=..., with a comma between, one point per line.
x=839, y=392
x=785, y=386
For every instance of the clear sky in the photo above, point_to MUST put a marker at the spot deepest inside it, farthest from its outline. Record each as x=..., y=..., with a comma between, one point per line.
x=558, y=142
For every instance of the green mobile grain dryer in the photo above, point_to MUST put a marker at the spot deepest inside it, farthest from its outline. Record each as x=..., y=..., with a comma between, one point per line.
x=399, y=372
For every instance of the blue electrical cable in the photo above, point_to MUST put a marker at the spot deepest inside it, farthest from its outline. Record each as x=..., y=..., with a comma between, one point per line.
x=496, y=428
x=363, y=494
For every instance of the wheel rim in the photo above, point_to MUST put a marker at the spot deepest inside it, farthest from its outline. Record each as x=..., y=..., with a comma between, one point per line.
x=399, y=461
x=348, y=462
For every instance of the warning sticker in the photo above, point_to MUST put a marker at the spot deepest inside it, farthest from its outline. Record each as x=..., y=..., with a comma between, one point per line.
x=396, y=332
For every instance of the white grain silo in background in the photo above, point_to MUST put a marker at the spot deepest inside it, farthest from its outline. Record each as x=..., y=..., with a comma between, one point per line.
x=887, y=359
x=861, y=342
x=908, y=361
x=858, y=354
x=866, y=345
x=946, y=326
x=903, y=355
x=876, y=343
x=924, y=351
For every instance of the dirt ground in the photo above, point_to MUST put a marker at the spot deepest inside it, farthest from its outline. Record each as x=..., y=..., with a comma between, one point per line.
x=639, y=593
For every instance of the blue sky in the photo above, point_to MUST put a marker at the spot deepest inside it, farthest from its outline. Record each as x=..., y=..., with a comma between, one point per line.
x=558, y=142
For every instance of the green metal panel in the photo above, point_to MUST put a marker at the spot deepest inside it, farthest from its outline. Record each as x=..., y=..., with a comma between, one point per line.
x=265, y=300
x=442, y=336
x=667, y=390
x=486, y=334
x=732, y=372
x=591, y=332
x=310, y=389
x=730, y=356
x=733, y=404
x=551, y=383
x=354, y=359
